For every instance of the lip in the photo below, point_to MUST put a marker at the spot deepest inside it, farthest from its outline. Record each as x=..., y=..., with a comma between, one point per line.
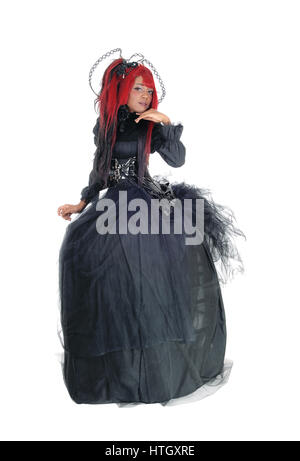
x=143, y=104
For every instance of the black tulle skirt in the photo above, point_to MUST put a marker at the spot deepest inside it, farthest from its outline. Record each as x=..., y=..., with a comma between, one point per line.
x=141, y=315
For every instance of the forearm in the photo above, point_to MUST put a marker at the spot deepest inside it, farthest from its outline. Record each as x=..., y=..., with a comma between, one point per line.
x=166, y=141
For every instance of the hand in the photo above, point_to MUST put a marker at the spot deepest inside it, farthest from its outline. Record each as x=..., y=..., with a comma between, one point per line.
x=154, y=116
x=65, y=211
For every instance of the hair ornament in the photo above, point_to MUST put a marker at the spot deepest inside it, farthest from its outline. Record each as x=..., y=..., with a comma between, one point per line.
x=125, y=67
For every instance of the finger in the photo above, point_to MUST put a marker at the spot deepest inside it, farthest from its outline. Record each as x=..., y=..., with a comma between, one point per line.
x=146, y=117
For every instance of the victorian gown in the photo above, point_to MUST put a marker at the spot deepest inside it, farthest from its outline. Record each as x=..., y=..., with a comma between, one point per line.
x=141, y=315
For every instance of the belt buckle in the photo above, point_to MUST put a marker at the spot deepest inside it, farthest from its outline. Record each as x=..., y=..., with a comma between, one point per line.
x=126, y=166
x=121, y=170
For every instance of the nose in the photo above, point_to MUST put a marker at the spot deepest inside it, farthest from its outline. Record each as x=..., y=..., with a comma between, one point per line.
x=146, y=94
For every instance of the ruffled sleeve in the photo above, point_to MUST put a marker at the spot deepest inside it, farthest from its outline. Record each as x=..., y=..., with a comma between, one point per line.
x=166, y=141
x=92, y=189
x=95, y=185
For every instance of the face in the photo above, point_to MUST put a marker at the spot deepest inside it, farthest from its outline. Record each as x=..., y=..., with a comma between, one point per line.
x=140, y=96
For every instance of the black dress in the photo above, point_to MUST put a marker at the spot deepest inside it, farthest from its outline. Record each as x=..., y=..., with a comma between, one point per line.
x=142, y=314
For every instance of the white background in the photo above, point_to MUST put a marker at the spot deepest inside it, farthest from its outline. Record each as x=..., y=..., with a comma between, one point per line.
x=231, y=72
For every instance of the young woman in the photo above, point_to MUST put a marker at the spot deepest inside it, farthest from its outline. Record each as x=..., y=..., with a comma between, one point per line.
x=141, y=311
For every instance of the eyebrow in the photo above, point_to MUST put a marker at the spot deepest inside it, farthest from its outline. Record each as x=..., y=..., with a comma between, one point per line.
x=144, y=85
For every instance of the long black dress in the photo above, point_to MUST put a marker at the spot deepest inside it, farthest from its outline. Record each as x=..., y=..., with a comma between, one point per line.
x=142, y=314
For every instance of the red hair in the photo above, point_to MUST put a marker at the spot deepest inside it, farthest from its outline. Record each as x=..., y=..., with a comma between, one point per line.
x=114, y=93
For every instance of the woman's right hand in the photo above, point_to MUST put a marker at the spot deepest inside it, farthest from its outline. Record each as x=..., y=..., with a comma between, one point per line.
x=65, y=211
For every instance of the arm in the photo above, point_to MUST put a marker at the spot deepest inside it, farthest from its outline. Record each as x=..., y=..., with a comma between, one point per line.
x=94, y=184
x=88, y=192
x=166, y=141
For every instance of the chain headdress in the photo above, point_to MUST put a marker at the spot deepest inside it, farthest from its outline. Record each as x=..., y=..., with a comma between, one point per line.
x=125, y=67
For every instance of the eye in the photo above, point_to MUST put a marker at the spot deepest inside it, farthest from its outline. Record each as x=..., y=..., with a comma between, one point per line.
x=139, y=88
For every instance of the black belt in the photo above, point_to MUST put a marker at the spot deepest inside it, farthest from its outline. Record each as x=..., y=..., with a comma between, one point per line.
x=128, y=168
x=122, y=169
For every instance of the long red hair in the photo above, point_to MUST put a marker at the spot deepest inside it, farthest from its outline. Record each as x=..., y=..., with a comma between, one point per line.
x=115, y=92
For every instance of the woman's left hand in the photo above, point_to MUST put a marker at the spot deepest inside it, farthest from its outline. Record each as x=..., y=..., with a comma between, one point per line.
x=154, y=116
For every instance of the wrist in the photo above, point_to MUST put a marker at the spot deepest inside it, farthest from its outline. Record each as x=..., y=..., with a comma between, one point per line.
x=81, y=205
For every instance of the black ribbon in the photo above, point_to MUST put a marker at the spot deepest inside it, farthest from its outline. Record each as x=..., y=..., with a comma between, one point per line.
x=121, y=68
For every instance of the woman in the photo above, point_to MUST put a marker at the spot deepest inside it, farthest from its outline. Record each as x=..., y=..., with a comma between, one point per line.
x=141, y=312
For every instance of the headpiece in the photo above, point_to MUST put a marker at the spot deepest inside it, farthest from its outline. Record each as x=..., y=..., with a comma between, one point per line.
x=125, y=67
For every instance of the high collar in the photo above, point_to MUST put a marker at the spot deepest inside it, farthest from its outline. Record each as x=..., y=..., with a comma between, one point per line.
x=132, y=116
x=126, y=119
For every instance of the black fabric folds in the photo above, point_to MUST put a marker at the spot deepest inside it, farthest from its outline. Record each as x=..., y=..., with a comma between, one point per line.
x=142, y=318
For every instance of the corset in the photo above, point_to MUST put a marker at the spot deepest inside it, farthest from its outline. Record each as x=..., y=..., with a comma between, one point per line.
x=124, y=165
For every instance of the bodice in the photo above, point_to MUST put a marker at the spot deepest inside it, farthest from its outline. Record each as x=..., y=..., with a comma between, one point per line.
x=125, y=149
x=126, y=144
x=165, y=140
